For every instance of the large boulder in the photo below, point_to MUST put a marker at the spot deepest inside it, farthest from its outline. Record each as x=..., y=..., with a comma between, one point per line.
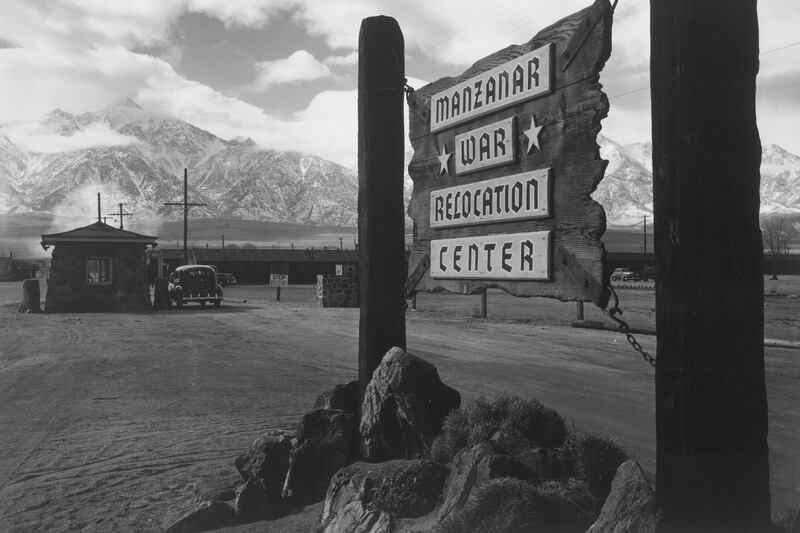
x=253, y=501
x=216, y=490
x=326, y=441
x=204, y=517
x=266, y=459
x=343, y=397
x=403, y=407
x=630, y=506
x=508, y=504
x=474, y=467
x=370, y=496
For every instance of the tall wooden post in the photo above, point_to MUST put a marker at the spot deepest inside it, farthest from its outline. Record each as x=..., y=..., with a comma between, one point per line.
x=185, y=215
x=381, y=233
x=186, y=205
x=712, y=469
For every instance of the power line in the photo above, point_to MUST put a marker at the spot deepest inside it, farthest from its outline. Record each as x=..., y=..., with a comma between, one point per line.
x=761, y=54
x=780, y=48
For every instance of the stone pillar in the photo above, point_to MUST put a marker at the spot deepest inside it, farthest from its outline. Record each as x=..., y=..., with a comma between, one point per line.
x=30, y=297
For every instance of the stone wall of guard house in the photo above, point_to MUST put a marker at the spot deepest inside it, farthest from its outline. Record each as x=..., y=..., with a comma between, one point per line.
x=338, y=291
x=68, y=290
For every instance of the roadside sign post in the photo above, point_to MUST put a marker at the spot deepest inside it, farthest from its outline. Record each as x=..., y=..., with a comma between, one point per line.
x=278, y=281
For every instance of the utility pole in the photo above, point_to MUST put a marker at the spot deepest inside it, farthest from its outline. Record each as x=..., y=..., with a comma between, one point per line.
x=644, y=232
x=186, y=205
x=120, y=215
x=712, y=461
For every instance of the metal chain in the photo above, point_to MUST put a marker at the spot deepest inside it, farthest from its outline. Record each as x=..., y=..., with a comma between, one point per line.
x=625, y=329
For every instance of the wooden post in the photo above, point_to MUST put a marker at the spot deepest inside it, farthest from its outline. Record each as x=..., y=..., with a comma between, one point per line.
x=381, y=232
x=278, y=294
x=580, y=310
x=484, y=304
x=712, y=468
x=185, y=215
x=161, y=294
x=31, y=297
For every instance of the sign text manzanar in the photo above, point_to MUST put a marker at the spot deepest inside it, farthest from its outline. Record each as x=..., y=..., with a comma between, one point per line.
x=505, y=161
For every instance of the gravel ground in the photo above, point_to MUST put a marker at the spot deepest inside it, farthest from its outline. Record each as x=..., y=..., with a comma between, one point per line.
x=110, y=421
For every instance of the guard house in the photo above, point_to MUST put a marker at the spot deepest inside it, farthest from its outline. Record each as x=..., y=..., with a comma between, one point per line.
x=98, y=268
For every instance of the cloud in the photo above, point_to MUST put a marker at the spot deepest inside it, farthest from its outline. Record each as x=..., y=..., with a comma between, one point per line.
x=248, y=13
x=349, y=60
x=75, y=24
x=26, y=136
x=299, y=67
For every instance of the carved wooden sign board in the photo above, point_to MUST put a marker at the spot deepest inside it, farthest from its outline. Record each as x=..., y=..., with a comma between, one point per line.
x=505, y=160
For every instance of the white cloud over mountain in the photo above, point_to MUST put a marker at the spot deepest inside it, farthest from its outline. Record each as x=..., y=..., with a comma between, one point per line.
x=75, y=54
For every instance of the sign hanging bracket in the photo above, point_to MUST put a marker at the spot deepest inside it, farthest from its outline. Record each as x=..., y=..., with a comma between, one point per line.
x=570, y=265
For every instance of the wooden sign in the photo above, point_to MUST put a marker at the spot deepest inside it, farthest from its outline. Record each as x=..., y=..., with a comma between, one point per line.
x=486, y=147
x=519, y=196
x=513, y=257
x=505, y=162
x=278, y=280
x=513, y=81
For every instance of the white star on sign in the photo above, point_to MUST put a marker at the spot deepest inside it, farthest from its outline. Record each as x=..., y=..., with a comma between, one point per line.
x=444, y=159
x=532, y=134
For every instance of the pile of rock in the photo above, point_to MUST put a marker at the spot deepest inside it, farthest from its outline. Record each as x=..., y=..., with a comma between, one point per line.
x=377, y=474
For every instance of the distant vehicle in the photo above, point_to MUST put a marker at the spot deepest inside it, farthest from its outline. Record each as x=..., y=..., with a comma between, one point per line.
x=623, y=274
x=195, y=283
x=225, y=279
x=649, y=273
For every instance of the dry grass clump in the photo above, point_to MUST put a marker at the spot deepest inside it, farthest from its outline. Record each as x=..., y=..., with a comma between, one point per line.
x=482, y=417
x=594, y=460
x=511, y=505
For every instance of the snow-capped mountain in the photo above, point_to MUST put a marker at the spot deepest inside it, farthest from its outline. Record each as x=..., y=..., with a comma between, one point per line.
x=626, y=191
x=144, y=169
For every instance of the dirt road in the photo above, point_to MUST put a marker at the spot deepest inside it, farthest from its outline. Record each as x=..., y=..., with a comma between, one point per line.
x=110, y=420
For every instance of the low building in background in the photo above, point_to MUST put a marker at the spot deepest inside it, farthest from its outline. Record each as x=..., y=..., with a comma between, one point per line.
x=98, y=268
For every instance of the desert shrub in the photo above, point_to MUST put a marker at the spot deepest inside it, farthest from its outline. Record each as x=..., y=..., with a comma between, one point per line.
x=786, y=520
x=482, y=417
x=594, y=460
x=409, y=491
x=511, y=505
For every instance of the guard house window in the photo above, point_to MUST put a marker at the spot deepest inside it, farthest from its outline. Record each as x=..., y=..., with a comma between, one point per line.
x=98, y=270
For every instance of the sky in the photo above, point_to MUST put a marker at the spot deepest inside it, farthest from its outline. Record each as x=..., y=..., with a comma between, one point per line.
x=284, y=72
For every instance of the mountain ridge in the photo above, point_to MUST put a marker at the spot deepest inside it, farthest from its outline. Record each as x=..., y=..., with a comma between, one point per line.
x=235, y=178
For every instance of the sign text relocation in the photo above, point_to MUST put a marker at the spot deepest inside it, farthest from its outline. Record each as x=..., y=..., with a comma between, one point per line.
x=520, y=196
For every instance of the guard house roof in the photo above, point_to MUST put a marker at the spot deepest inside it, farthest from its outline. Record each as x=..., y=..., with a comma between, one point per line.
x=269, y=255
x=97, y=232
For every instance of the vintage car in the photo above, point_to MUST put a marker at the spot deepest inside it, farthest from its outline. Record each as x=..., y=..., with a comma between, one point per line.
x=194, y=283
x=226, y=279
x=623, y=274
